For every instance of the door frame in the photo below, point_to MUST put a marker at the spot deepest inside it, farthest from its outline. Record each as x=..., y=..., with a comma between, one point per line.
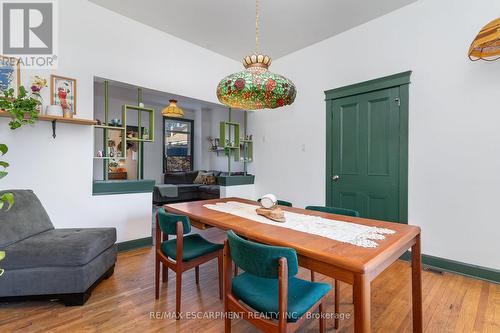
x=401, y=80
x=192, y=140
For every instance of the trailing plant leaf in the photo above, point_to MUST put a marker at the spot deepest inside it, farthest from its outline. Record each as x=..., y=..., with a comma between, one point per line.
x=2, y=255
x=7, y=198
x=22, y=109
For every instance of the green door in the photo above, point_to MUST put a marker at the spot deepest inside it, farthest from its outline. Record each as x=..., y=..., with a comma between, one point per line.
x=365, y=153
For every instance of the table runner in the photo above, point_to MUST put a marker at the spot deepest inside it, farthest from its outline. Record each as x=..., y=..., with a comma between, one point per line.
x=346, y=232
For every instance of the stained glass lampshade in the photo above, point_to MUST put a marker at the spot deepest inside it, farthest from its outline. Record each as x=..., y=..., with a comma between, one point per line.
x=486, y=45
x=172, y=110
x=256, y=87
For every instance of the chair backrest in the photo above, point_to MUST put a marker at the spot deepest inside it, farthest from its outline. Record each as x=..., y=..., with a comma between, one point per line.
x=282, y=203
x=168, y=222
x=259, y=259
x=334, y=210
x=25, y=219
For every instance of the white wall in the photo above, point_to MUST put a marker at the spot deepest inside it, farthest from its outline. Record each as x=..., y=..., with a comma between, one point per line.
x=96, y=42
x=454, y=162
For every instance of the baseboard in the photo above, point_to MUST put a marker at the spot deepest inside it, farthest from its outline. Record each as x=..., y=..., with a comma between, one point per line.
x=448, y=265
x=135, y=244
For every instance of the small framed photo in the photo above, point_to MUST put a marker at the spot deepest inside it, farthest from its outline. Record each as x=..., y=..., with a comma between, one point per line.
x=63, y=93
x=10, y=74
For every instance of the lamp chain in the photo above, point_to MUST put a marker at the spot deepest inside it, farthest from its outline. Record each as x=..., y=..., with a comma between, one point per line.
x=257, y=43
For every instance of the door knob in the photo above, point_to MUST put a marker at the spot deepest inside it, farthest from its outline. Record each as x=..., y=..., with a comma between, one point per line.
x=335, y=178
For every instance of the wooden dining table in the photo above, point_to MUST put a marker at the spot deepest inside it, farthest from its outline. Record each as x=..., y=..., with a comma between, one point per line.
x=352, y=264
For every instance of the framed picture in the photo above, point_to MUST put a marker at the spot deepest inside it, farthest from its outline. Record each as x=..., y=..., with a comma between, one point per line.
x=10, y=74
x=63, y=92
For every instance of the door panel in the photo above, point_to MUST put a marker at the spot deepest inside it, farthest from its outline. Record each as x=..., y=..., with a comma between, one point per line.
x=349, y=152
x=365, y=153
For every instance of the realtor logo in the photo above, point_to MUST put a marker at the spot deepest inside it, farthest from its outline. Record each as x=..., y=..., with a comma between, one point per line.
x=27, y=28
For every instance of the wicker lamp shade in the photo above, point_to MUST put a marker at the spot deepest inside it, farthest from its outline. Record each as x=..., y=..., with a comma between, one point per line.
x=172, y=110
x=486, y=45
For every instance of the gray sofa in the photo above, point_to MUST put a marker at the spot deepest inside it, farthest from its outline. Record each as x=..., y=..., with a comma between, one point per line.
x=186, y=190
x=46, y=263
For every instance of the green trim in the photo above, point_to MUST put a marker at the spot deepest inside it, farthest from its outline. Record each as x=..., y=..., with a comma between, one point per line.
x=135, y=244
x=448, y=265
x=108, y=187
x=372, y=85
x=235, y=180
x=402, y=80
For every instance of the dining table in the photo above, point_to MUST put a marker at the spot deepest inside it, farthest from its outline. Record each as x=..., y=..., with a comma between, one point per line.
x=346, y=262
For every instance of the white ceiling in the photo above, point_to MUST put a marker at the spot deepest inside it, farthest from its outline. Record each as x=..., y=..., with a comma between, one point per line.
x=228, y=26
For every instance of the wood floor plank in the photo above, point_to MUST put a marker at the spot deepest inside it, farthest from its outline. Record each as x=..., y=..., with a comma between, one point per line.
x=125, y=303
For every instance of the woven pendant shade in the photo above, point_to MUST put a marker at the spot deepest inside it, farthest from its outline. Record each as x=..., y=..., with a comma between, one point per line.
x=486, y=45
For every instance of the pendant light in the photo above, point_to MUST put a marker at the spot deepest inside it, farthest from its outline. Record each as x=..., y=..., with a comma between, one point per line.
x=172, y=110
x=256, y=87
x=486, y=45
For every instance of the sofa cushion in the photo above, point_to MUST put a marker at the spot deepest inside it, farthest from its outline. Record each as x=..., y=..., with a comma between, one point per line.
x=212, y=189
x=26, y=218
x=184, y=188
x=59, y=248
x=191, y=176
x=175, y=178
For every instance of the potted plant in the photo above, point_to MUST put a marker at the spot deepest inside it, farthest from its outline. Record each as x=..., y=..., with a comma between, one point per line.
x=22, y=108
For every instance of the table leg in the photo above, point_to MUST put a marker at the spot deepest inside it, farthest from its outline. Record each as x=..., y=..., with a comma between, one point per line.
x=416, y=285
x=361, y=303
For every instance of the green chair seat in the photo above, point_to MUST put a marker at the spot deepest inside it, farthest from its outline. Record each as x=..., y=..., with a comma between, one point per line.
x=262, y=294
x=194, y=246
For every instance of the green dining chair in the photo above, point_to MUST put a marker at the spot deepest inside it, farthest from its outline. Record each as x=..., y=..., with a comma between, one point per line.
x=339, y=211
x=279, y=202
x=269, y=287
x=334, y=210
x=194, y=250
x=282, y=203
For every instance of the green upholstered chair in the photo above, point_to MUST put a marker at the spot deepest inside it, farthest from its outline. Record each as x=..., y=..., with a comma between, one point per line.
x=268, y=286
x=182, y=253
x=334, y=210
x=282, y=203
x=338, y=211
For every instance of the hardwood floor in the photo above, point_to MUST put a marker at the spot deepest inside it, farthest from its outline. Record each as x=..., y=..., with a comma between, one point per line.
x=126, y=303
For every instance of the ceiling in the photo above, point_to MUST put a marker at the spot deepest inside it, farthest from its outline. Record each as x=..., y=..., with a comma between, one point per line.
x=228, y=26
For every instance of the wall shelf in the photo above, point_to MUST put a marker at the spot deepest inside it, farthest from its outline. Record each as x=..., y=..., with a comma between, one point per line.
x=118, y=128
x=43, y=117
x=56, y=119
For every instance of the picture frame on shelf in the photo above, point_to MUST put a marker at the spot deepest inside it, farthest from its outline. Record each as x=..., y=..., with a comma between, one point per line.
x=10, y=74
x=63, y=93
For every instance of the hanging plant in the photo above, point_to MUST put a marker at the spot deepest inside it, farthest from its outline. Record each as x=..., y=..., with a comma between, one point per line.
x=6, y=198
x=22, y=108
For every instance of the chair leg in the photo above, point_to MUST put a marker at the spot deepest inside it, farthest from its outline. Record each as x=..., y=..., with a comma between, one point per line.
x=164, y=272
x=178, y=294
x=157, y=278
x=337, y=304
x=312, y=276
x=227, y=323
x=219, y=268
x=322, y=321
x=197, y=274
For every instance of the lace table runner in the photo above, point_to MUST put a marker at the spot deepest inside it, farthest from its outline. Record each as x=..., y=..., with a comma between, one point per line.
x=346, y=232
